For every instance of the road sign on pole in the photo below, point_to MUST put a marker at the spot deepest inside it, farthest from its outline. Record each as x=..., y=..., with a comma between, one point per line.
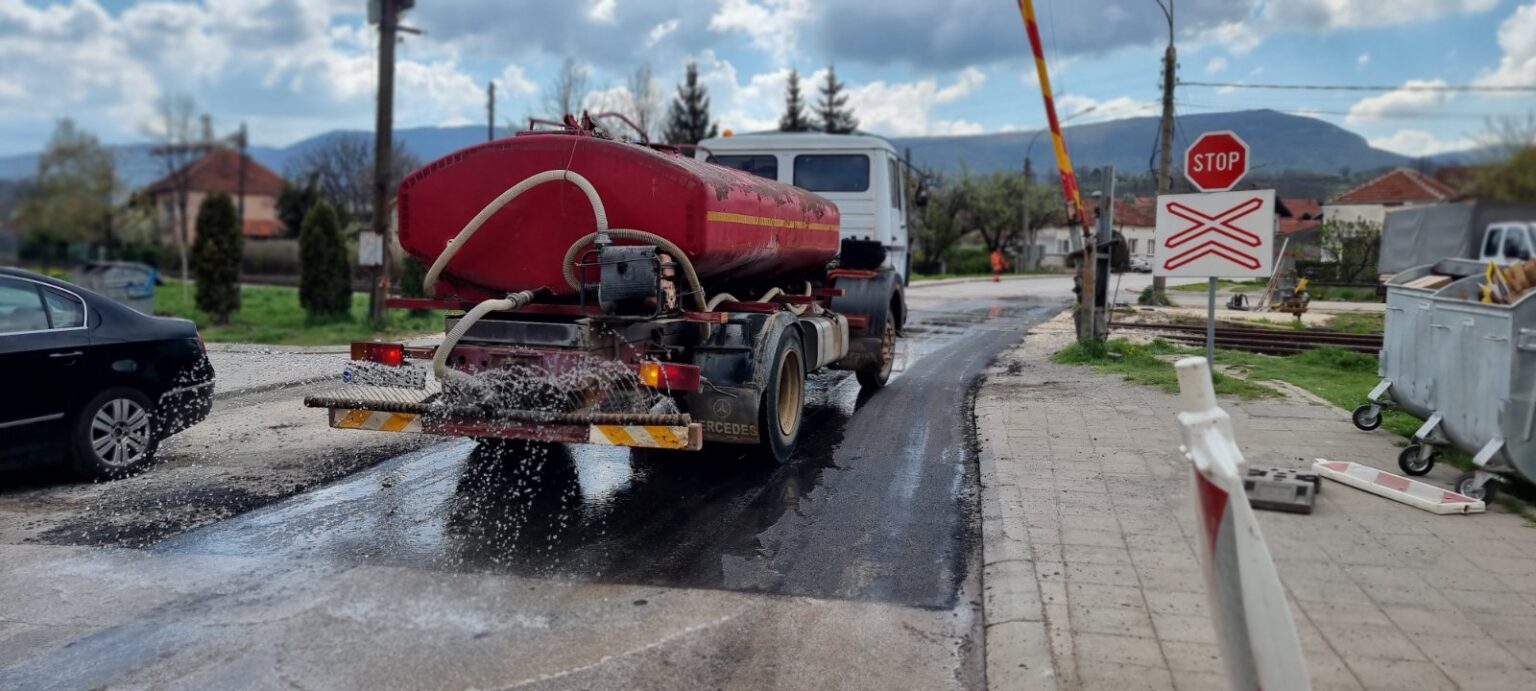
x=1216, y=161
x=1215, y=235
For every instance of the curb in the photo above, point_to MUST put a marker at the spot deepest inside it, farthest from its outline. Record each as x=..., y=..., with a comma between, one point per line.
x=1017, y=645
x=978, y=279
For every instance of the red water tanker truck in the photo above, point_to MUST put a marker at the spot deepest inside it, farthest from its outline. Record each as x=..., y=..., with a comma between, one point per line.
x=609, y=292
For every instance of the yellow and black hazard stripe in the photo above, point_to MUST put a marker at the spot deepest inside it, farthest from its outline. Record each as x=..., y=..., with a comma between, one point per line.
x=357, y=418
x=644, y=436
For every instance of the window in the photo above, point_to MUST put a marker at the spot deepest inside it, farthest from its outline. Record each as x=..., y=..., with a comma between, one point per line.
x=1516, y=245
x=1492, y=241
x=832, y=172
x=65, y=311
x=1065, y=246
x=896, y=184
x=21, y=308
x=1134, y=242
x=761, y=165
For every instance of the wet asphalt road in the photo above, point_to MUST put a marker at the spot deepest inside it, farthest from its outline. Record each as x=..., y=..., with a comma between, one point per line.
x=877, y=504
x=456, y=565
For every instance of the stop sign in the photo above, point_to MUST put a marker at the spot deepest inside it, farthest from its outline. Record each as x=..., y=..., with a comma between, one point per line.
x=1216, y=161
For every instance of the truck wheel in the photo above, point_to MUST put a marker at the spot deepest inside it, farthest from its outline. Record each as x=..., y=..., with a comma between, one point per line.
x=782, y=410
x=877, y=377
x=114, y=435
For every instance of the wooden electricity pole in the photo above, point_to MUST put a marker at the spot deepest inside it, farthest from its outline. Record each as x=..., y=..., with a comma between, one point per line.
x=383, y=146
x=1165, y=145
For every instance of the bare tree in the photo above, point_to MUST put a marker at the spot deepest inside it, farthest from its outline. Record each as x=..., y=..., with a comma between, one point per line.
x=177, y=144
x=645, y=101
x=341, y=168
x=567, y=92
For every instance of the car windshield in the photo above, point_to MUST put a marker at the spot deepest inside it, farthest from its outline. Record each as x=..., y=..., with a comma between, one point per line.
x=761, y=165
x=832, y=172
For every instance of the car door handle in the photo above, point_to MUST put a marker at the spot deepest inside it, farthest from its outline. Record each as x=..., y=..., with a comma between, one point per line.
x=76, y=353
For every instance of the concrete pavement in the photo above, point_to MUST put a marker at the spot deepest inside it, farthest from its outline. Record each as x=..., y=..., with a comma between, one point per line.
x=1090, y=576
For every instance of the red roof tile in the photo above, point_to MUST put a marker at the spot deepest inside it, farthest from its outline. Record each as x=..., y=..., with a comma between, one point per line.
x=1296, y=225
x=1141, y=213
x=1302, y=207
x=262, y=228
x=1398, y=186
x=219, y=171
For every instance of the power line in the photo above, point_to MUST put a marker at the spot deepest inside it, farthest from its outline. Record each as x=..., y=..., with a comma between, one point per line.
x=1396, y=116
x=1362, y=87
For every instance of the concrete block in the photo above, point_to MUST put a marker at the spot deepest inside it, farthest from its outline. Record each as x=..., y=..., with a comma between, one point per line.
x=1019, y=657
x=1280, y=489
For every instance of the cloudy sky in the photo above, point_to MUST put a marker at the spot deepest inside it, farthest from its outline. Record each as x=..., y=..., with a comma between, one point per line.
x=294, y=68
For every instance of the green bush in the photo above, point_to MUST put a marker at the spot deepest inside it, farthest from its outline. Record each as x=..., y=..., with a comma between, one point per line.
x=412, y=274
x=217, y=249
x=968, y=259
x=325, y=276
x=1147, y=297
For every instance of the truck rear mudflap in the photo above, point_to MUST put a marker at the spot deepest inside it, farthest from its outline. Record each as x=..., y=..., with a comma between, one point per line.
x=386, y=409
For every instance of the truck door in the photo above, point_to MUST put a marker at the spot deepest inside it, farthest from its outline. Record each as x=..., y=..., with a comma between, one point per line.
x=896, y=240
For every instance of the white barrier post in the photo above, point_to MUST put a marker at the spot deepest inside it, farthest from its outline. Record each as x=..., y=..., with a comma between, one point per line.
x=1253, y=623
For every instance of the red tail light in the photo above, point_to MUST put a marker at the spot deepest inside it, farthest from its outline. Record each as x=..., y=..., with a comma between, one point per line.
x=201, y=344
x=670, y=376
x=391, y=354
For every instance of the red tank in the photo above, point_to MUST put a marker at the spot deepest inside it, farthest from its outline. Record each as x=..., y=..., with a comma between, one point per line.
x=730, y=223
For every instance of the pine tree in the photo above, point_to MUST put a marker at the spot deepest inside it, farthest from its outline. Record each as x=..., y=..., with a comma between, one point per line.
x=688, y=119
x=793, y=119
x=836, y=117
x=325, y=274
x=216, y=255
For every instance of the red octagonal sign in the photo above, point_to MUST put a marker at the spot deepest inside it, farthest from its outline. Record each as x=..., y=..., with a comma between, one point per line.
x=1216, y=161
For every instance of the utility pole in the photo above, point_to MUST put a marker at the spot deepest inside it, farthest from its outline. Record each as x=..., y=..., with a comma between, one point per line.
x=241, y=142
x=1165, y=146
x=1029, y=239
x=1102, y=300
x=490, y=111
x=383, y=146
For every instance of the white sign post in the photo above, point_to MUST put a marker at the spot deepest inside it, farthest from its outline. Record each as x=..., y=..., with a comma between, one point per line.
x=1215, y=235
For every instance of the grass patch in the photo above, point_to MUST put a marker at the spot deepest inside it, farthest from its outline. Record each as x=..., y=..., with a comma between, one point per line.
x=1236, y=286
x=1341, y=377
x=1343, y=293
x=1140, y=363
x=272, y=315
x=1359, y=323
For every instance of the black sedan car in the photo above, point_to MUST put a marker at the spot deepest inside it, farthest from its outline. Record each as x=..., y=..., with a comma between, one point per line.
x=91, y=382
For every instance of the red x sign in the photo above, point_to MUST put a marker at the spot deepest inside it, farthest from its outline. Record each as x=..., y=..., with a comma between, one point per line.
x=1225, y=234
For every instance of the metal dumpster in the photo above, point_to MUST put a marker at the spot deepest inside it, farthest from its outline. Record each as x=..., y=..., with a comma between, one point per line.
x=129, y=283
x=1407, y=361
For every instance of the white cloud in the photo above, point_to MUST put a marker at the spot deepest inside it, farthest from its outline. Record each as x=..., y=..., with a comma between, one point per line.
x=1411, y=99
x=602, y=11
x=1337, y=14
x=1363, y=60
x=1215, y=65
x=904, y=108
x=1095, y=110
x=514, y=79
x=1413, y=142
x=774, y=25
x=1237, y=38
x=659, y=32
x=1517, y=37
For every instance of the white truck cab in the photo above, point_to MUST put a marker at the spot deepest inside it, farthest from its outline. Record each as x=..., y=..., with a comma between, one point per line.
x=1508, y=242
x=860, y=173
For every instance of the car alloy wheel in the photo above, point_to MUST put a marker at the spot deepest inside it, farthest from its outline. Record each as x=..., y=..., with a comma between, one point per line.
x=120, y=432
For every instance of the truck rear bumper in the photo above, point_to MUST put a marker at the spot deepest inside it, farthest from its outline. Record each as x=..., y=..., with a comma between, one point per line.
x=403, y=411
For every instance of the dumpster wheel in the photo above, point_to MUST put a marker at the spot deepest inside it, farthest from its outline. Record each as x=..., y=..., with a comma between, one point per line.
x=1367, y=417
x=1465, y=486
x=1413, y=462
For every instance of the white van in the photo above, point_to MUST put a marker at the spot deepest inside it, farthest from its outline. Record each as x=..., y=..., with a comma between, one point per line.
x=1508, y=242
x=860, y=173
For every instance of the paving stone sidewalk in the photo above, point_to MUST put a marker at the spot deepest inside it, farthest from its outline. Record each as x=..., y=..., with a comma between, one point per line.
x=1091, y=579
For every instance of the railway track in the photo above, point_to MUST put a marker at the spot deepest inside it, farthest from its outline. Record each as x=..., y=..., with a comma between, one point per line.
x=1261, y=340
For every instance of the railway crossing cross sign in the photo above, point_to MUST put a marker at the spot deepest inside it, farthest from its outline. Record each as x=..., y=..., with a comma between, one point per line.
x=1215, y=235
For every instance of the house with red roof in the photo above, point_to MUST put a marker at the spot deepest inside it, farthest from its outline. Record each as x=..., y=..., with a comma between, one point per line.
x=1394, y=189
x=219, y=171
x=1135, y=219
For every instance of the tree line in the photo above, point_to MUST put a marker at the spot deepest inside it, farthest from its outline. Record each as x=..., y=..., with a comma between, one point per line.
x=687, y=119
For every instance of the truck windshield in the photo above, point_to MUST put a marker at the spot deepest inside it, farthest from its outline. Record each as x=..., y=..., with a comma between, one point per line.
x=1492, y=241
x=1516, y=243
x=832, y=172
x=761, y=165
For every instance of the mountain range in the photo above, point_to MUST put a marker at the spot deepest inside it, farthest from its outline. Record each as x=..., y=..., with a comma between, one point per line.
x=1278, y=142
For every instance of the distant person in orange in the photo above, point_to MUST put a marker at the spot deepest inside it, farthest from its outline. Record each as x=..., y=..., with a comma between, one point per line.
x=999, y=262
